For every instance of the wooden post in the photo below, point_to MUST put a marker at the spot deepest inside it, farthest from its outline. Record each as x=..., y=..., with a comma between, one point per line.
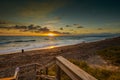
x=58, y=71
x=46, y=71
x=41, y=72
x=35, y=71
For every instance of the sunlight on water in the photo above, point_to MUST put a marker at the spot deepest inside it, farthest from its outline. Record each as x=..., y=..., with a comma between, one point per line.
x=50, y=47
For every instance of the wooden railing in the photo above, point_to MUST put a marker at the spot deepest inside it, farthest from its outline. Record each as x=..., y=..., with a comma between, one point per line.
x=62, y=64
x=15, y=77
x=74, y=72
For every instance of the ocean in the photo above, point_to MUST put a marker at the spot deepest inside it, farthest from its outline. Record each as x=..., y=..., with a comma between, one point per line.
x=12, y=44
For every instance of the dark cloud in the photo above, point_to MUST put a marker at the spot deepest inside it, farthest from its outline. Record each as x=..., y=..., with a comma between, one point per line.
x=29, y=28
x=68, y=26
x=66, y=33
x=5, y=27
x=61, y=28
x=34, y=29
x=80, y=27
x=19, y=27
x=57, y=32
x=76, y=24
x=100, y=29
x=44, y=29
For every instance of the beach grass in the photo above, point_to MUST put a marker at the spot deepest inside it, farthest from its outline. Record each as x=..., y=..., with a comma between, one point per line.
x=111, y=54
x=100, y=74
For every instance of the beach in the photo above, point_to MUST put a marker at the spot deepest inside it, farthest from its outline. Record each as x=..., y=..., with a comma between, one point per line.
x=82, y=51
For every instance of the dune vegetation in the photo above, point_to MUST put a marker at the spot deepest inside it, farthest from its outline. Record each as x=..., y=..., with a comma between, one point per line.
x=110, y=54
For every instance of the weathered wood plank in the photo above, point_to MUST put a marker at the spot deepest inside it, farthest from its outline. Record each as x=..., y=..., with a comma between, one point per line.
x=74, y=72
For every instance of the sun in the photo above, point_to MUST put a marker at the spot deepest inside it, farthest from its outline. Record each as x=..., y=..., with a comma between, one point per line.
x=51, y=34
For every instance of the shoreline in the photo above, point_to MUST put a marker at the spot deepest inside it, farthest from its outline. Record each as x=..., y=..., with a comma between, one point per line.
x=47, y=47
x=58, y=46
x=39, y=46
x=40, y=49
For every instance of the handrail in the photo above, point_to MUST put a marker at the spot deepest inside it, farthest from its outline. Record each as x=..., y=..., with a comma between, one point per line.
x=74, y=72
x=16, y=73
x=15, y=77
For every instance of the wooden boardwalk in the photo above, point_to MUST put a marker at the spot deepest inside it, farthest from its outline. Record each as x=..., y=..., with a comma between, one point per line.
x=62, y=64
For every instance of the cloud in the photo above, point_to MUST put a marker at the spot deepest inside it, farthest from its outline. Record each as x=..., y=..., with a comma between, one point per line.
x=44, y=29
x=80, y=27
x=7, y=24
x=36, y=9
x=3, y=22
x=33, y=28
x=65, y=33
x=61, y=28
x=76, y=24
x=19, y=27
x=68, y=26
x=53, y=20
x=100, y=29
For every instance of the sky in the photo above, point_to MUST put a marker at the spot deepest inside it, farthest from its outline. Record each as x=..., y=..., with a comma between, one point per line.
x=64, y=17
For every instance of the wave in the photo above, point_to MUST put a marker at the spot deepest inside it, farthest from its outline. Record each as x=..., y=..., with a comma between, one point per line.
x=5, y=42
x=16, y=41
x=24, y=40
